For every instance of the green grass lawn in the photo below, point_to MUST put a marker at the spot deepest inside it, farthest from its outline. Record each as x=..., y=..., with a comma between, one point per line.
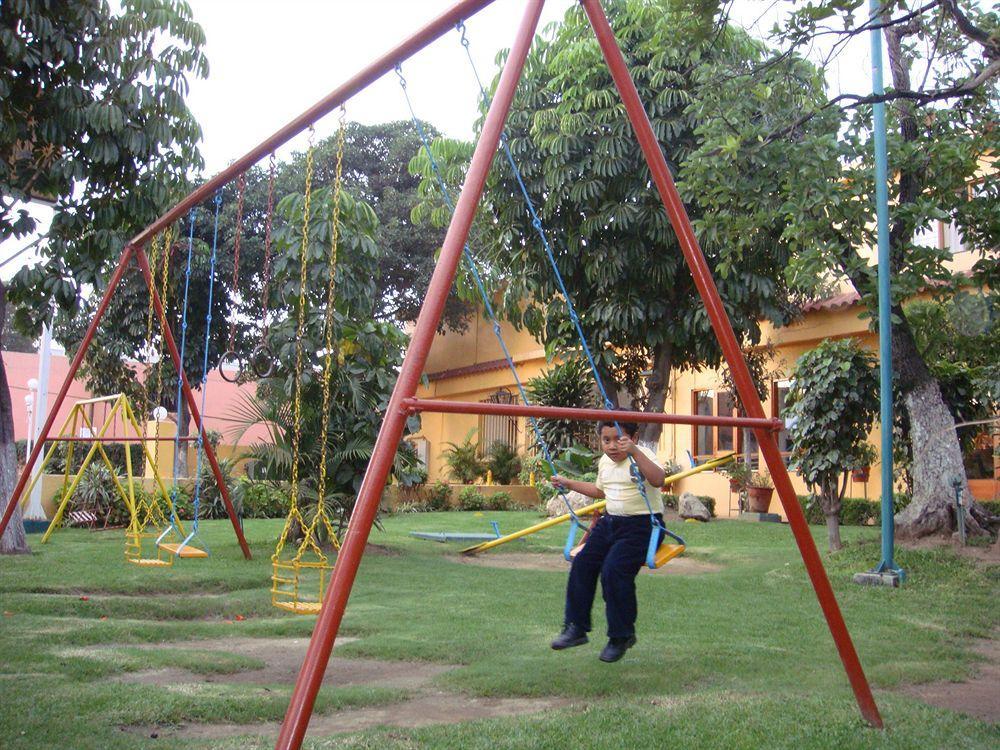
x=738, y=658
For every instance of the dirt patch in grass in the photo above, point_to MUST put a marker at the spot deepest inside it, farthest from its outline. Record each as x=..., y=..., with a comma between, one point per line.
x=985, y=553
x=542, y=561
x=978, y=696
x=428, y=708
x=283, y=657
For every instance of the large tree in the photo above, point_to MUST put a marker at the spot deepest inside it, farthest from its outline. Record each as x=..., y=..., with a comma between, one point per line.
x=943, y=63
x=374, y=171
x=612, y=240
x=92, y=119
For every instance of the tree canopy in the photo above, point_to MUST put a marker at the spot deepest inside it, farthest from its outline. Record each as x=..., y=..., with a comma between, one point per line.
x=944, y=67
x=611, y=237
x=92, y=120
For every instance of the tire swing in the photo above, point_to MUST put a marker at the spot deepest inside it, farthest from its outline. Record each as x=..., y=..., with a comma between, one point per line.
x=299, y=580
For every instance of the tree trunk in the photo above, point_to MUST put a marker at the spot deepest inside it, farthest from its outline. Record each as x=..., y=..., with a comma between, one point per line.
x=13, y=541
x=937, y=457
x=833, y=532
x=831, y=497
x=183, y=429
x=657, y=388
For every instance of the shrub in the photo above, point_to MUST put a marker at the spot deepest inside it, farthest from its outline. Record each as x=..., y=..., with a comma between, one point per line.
x=571, y=385
x=463, y=460
x=501, y=501
x=96, y=492
x=991, y=506
x=437, y=496
x=262, y=499
x=470, y=498
x=503, y=463
x=533, y=465
x=854, y=511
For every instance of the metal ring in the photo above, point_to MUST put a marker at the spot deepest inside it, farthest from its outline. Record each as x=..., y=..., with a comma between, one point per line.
x=262, y=361
x=228, y=375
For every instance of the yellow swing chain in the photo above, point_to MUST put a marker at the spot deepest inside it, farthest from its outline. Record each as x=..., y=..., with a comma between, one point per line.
x=293, y=509
x=321, y=515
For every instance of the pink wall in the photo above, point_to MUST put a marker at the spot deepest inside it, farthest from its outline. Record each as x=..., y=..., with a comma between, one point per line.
x=220, y=406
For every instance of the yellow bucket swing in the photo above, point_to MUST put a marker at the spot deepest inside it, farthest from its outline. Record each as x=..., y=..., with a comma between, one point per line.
x=299, y=579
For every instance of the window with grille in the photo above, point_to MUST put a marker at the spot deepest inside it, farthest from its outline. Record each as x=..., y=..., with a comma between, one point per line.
x=497, y=428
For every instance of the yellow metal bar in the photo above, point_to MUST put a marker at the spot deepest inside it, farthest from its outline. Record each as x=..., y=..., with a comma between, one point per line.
x=98, y=399
x=589, y=509
x=109, y=421
x=130, y=415
x=68, y=492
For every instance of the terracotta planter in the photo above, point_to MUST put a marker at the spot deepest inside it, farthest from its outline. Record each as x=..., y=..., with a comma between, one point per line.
x=760, y=498
x=861, y=474
x=734, y=485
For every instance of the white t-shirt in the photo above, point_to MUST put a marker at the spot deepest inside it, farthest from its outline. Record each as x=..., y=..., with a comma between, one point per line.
x=621, y=492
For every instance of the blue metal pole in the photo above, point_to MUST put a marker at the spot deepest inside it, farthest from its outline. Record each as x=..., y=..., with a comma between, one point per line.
x=887, y=564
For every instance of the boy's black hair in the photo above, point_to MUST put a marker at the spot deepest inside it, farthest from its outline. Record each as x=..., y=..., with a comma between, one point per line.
x=629, y=428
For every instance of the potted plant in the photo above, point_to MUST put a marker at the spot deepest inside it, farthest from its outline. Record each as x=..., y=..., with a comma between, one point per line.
x=739, y=475
x=861, y=469
x=760, y=488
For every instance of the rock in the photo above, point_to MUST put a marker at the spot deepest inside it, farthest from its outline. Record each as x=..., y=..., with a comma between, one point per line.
x=556, y=506
x=689, y=506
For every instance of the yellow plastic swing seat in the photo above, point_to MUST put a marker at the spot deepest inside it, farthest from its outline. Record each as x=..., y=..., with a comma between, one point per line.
x=299, y=608
x=664, y=553
x=667, y=552
x=150, y=562
x=186, y=552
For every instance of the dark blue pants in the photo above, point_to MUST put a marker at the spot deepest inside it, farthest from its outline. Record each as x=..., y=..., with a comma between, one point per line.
x=615, y=551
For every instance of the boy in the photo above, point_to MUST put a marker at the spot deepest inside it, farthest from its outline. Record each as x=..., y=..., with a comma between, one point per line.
x=616, y=546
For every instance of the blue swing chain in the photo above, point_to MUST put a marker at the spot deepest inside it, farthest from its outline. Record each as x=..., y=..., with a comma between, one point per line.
x=471, y=262
x=204, y=366
x=536, y=222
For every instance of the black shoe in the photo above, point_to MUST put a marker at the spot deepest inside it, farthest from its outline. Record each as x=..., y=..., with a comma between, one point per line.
x=572, y=635
x=616, y=648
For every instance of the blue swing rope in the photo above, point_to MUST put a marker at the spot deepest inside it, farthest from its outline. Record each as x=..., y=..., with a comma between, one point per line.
x=470, y=260
x=172, y=499
x=536, y=222
x=204, y=372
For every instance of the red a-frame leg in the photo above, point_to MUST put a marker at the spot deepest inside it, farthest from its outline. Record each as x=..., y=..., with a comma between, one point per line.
x=310, y=677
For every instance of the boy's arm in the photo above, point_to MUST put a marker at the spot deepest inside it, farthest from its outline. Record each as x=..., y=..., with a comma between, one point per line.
x=584, y=488
x=651, y=470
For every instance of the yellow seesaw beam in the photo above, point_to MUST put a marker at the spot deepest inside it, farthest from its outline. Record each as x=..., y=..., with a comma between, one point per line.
x=589, y=509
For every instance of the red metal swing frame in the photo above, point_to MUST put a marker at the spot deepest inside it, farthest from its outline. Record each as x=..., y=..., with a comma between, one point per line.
x=403, y=403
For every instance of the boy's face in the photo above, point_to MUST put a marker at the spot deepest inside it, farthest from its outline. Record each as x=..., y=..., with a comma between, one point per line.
x=610, y=445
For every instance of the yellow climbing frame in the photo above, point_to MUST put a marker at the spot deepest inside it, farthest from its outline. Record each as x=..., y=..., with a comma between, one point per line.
x=145, y=510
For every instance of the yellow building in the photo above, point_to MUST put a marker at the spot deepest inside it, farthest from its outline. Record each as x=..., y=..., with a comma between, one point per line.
x=471, y=367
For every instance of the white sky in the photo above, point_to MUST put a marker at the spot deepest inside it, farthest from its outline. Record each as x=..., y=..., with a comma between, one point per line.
x=269, y=61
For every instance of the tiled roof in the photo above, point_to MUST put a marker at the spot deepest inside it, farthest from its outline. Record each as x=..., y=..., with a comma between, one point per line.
x=836, y=302
x=458, y=372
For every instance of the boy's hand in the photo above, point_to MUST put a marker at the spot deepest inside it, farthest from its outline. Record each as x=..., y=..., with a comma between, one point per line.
x=558, y=482
x=626, y=446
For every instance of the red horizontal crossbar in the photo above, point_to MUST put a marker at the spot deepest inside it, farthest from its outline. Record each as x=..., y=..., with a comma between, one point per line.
x=584, y=415
x=119, y=439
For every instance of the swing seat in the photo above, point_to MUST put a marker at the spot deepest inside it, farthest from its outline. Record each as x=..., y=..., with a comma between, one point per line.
x=667, y=552
x=187, y=551
x=136, y=551
x=300, y=608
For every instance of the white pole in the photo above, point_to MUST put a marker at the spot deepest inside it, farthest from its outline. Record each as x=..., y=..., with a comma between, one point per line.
x=35, y=510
